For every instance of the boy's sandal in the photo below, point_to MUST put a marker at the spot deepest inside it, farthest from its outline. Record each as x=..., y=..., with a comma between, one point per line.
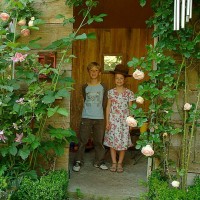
x=113, y=168
x=119, y=168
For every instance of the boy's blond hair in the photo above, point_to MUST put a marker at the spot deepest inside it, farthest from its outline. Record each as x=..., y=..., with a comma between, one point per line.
x=93, y=64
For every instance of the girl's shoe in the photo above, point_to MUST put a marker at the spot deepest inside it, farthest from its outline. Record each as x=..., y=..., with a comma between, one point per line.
x=113, y=168
x=119, y=168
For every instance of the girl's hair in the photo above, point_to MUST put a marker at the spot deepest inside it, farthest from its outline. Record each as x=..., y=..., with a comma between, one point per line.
x=93, y=64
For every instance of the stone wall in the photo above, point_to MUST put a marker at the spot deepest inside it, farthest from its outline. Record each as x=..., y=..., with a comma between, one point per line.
x=193, y=77
x=51, y=31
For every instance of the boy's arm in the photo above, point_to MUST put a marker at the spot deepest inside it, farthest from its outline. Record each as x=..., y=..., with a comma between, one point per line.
x=83, y=91
x=104, y=96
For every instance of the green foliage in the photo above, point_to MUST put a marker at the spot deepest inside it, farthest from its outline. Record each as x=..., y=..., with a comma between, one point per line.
x=52, y=186
x=27, y=101
x=161, y=189
x=167, y=64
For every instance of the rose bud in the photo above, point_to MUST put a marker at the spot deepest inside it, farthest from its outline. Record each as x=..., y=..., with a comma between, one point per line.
x=25, y=32
x=140, y=100
x=22, y=22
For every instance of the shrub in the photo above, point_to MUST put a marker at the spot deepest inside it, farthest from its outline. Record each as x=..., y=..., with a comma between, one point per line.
x=50, y=187
x=160, y=189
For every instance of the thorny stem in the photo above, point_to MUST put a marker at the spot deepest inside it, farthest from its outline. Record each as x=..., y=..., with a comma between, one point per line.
x=192, y=132
x=185, y=134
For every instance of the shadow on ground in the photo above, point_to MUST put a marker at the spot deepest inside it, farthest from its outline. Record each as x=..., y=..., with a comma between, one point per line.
x=95, y=184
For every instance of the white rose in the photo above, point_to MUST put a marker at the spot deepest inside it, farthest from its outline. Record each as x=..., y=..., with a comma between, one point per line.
x=147, y=150
x=165, y=134
x=131, y=121
x=175, y=184
x=140, y=100
x=139, y=75
x=30, y=23
x=22, y=22
x=187, y=106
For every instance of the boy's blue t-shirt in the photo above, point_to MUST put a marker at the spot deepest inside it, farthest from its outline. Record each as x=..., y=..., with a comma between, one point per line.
x=93, y=104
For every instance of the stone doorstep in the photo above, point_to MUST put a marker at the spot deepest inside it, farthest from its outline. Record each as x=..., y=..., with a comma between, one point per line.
x=73, y=196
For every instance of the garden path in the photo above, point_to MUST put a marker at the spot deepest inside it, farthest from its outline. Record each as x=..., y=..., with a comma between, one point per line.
x=94, y=184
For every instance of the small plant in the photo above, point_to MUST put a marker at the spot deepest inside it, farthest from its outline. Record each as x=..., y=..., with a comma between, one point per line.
x=79, y=194
x=50, y=187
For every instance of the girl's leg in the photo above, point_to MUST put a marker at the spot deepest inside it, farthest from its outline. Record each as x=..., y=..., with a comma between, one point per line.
x=113, y=154
x=121, y=158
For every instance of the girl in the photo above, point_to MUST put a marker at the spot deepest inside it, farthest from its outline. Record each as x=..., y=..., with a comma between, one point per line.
x=117, y=135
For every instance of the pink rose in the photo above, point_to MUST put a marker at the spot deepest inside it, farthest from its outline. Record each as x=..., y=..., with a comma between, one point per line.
x=2, y=136
x=18, y=57
x=187, y=106
x=20, y=101
x=22, y=22
x=140, y=100
x=4, y=16
x=19, y=137
x=139, y=75
x=147, y=150
x=25, y=32
x=131, y=121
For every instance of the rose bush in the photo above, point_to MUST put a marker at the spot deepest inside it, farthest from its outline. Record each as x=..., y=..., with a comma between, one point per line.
x=166, y=87
x=26, y=101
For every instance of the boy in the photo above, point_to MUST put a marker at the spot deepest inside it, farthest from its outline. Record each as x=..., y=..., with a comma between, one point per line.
x=95, y=95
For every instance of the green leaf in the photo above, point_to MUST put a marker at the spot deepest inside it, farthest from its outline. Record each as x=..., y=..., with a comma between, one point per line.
x=142, y=3
x=49, y=98
x=13, y=150
x=91, y=36
x=38, y=22
x=90, y=20
x=8, y=88
x=34, y=28
x=24, y=153
x=52, y=111
x=133, y=62
x=29, y=139
x=4, y=151
x=81, y=37
x=35, y=144
x=62, y=93
x=63, y=111
x=59, y=150
x=59, y=16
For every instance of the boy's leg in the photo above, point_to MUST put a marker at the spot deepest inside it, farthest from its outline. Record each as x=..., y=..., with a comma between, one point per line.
x=98, y=134
x=85, y=131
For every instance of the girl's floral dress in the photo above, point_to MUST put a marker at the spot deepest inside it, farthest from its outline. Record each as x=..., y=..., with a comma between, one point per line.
x=118, y=137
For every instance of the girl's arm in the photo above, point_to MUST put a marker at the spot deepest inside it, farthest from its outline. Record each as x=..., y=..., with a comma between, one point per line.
x=130, y=103
x=107, y=114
